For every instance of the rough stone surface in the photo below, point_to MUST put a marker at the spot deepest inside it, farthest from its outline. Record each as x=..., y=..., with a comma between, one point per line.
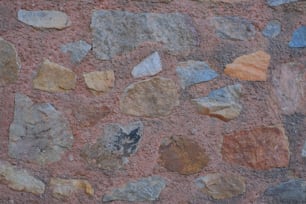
x=78, y=50
x=39, y=132
x=145, y=189
x=222, y=103
x=150, y=66
x=279, y=2
x=298, y=39
x=260, y=148
x=20, y=179
x=222, y=186
x=128, y=30
x=193, y=72
x=153, y=97
x=252, y=67
x=100, y=81
x=272, y=29
x=52, y=77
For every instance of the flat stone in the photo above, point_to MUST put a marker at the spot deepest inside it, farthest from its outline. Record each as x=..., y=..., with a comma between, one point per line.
x=261, y=148
x=252, y=67
x=150, y=66
x=38, y=133
x=272, y=29
x=222, y=186
x=279, y=2
x=152, y=97
x=44, y=19
x=52, y=77
x=114, y=146
x=19, y=179
x=183, y=156
x=298, y=39
x=100, y=81
x=194, y=72
x=77, y=50
x=9, y=63
x=144, y=189
x=221, y=103
x=128, y=30
x=233, y=28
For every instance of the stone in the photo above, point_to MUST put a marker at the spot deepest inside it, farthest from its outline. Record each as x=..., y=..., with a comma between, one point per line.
x=9, y=63
x=19, y=179
x=77, y=50
x=150, y=66
x=52, y=77
x=183, y=156
x=115, y=145
x=194, y=72
x=222, y=186
x=260, y=148
x=272, y=29
x=142, y=190
x=128, y=30
x=303, y=154
x=221, y=103
x=44, y=19
x=252, y=67
x=279, y=2
x=100, y=81
x=152, y=98
x=64, y=188
x=298, y=39
x=233, y=28
x=38, y=133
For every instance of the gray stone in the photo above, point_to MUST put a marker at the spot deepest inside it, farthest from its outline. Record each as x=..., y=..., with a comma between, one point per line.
x=20, y=179
x=298, y=39
x=39, y=133
x=272, y=29
x=150, y=66
x=78, y=50
x=279, y=2
x=128, y=30
x=304, y=150
x=193, y=72
x=145, y=189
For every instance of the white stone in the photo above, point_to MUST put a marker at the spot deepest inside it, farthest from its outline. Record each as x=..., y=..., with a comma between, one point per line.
x=150, y=66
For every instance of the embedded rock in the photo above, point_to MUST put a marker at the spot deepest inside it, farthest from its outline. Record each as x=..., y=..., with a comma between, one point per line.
x=77, y=50
x=272, y=29
x=150, y=66
x=100, y=81
x=298, y=39
x=279, y=2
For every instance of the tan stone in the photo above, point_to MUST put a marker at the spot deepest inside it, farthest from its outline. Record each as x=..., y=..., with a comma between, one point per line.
x=100, y=81
x=52, y=77
x=252, y=67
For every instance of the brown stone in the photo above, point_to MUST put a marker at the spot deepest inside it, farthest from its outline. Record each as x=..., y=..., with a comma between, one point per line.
x=252, y=67
x=183, y=156
x=260, y=148
x=100, y=81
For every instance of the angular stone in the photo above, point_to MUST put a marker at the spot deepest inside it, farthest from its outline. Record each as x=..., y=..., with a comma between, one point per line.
x=52, y=77
x=39, y=133
x=100, y=81
x=222, y=103
x=115, y=145
x=222, y=186
x=128, y=30
x=279, y=2
x=183, y=156
x=233, y=28
x=19, y=179
x=261, y=148
x=298, y=39
x=142, y=190
x=9, y=63
x=153, y=97
x=44, y=19
x=150, y=66
x=272, y=29
x=78, y=50
x=193, y=72
x=252, y=67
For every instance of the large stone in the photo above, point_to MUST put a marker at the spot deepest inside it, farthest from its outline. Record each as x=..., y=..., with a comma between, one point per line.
x=252, y=67
x=183, y=156
x=261, y=148
x=153, y=97
x=9, y=63
x=52, y=77
x=115, y=145
x=100, y=81
x=279, y=2
x=298, y=39
x=193, y=72
x=44, y=19
x=222, y=186
x=128, y=30
x=222, y=103
x=272, y=29
x=39, y=132
x=142, y=190
x=78, y=50
x=19, y=179
x=150, y=66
